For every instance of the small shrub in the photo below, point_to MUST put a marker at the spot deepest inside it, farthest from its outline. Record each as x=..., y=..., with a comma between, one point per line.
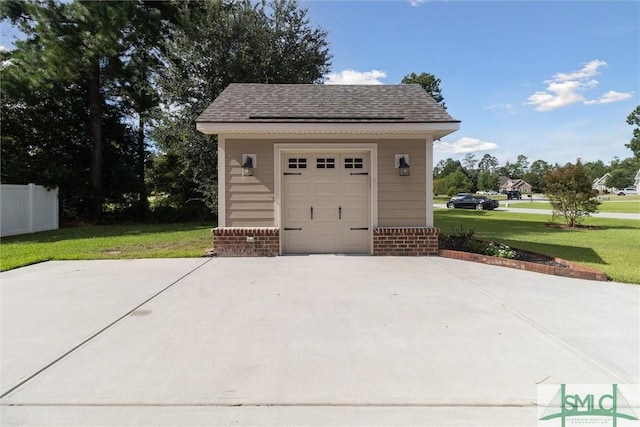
x=457, y=240
x=477, y=247
x=462, y=240
x=570, y=194
x=499, y=250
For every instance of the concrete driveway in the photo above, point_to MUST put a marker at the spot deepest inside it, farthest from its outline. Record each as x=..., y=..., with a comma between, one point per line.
x=308, y=340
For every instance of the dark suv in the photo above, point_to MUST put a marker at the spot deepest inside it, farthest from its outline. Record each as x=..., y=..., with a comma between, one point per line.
x=514, y=194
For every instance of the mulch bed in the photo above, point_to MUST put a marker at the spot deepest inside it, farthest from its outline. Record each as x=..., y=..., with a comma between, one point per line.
x=577, y=227
x=522, y=255
x=529, y=261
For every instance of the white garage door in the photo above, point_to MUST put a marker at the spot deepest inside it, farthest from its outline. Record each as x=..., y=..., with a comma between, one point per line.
x=326, y=202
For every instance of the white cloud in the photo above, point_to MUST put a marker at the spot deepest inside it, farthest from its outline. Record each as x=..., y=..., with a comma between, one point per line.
x=611, y=96
x=3, y=48
x=417, y=2
x=565, y=89
x=464, y=145
x=353, y=77
x=589, y=69
x=507, y=107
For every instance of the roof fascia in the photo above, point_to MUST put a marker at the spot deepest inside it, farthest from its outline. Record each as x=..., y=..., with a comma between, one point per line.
x=439, y=128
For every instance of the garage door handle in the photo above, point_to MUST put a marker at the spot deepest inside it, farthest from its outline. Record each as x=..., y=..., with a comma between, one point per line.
x=311, y=212
x=359, y=228
x=293, y=173
x=339, y=212
x=292, y=228
x=359, y=173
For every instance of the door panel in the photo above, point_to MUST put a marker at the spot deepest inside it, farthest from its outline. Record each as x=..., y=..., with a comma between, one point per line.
x=356, y=189
x=326, y=188
x=296, y=188
x=298, y=214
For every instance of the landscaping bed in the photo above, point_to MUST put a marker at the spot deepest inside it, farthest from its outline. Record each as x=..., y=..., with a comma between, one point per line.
x=461, y=245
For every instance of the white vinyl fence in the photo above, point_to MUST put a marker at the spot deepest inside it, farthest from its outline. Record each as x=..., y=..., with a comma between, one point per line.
x=27, y=209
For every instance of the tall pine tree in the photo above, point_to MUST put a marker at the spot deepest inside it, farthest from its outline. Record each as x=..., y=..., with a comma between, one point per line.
x=216, y=43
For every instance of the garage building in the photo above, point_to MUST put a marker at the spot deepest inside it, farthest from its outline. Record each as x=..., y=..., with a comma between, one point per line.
x=325, y=168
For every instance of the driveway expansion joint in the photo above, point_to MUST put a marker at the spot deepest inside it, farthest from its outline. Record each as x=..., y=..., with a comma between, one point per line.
x=277, y=405
x=98, y=333
x=542, y=330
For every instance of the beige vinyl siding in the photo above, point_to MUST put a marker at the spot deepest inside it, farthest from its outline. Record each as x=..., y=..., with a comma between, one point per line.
x=249, y=199
x=402, y=199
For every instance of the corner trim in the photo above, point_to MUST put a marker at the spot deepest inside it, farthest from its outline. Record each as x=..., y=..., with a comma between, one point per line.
x=222, y=183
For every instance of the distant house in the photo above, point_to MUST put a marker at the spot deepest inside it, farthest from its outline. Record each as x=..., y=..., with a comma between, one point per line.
x=509, y=184
x=600, y=184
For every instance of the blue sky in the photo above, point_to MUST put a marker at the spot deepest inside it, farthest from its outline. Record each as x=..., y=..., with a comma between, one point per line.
x=551, y=80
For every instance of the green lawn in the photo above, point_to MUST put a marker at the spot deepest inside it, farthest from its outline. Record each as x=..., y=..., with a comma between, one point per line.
x=106, y=242
x=619, y=206
x=614, y=250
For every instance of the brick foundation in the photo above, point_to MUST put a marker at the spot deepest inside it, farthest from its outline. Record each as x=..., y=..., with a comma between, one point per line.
x=246, y=241
x=405, y=241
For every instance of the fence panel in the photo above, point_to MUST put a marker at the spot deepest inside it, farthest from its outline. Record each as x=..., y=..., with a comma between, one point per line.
x=27, y=209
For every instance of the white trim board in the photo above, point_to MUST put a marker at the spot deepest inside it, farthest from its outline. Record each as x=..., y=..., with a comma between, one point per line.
x=222, y=183
x=438, y=130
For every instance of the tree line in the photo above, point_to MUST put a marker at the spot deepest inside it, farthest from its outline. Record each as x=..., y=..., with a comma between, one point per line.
x=473, y=174
x=100, y=99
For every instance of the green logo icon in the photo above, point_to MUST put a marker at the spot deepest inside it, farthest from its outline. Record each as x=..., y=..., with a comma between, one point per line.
x=588, y=405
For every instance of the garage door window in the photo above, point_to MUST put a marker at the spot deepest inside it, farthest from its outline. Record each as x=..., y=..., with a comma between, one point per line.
x=297, y=162
x=353, y=163
x=325, y=163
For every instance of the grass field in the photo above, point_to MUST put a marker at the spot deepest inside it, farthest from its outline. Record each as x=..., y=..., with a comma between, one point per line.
x=619, y=206
x=106, y=242
x=614, y=250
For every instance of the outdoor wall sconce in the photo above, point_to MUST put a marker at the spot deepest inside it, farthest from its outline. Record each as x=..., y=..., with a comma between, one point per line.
x=248, y=163
x=402, y=165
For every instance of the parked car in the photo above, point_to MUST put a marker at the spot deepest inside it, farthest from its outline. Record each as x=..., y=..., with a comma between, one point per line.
x=469, y=201
x=514, y=194
x=631, y=191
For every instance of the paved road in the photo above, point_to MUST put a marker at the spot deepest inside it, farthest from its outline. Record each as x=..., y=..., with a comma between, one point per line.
x=548, y=212
x=306, y=340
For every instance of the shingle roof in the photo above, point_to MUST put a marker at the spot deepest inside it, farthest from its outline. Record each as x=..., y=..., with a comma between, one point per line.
x=304, y=103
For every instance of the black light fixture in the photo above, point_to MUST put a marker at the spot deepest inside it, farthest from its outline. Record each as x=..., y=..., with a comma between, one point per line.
x=247, y=166
x=403, y=167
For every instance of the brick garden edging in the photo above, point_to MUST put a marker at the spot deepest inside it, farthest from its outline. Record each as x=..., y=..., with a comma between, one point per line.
x=571, y=270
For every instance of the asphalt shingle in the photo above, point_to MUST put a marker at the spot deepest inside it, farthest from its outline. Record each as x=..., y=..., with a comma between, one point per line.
x=303, y=103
